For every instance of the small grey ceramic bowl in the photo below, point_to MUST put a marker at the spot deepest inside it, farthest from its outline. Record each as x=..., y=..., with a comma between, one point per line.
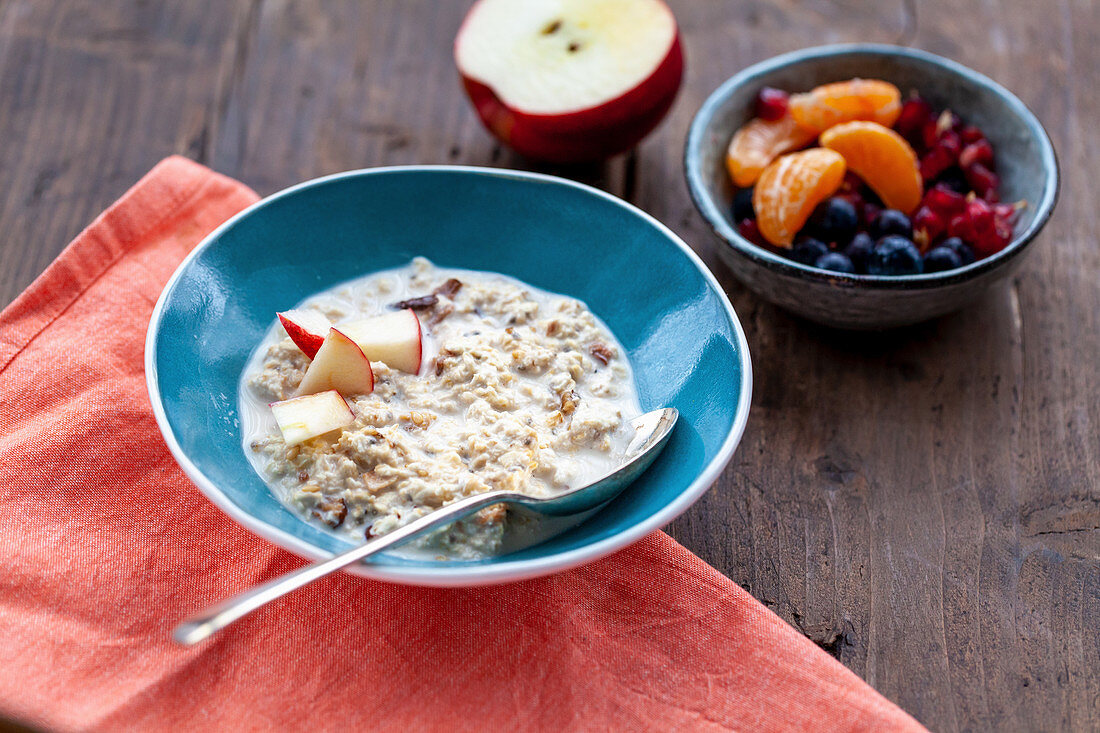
x=1025, y=162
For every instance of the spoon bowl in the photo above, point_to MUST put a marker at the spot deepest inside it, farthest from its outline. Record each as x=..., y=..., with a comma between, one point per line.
x=651, y=432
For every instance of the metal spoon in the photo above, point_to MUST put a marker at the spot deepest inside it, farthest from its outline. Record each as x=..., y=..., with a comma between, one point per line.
x=651, y=431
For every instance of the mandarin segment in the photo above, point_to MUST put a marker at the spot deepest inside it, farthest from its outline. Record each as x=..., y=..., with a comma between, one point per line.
x=845, y=101
x=790, y=188
x=758, y=143
x=882, y=158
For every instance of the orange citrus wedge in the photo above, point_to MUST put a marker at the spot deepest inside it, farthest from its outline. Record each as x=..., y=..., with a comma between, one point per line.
x=882, y=158
x=844, y=101
x=758, y=143
x=789, y=189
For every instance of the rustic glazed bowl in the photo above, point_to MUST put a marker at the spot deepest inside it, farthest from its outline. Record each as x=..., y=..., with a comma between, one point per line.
x=1026, y=164
x=675, y=322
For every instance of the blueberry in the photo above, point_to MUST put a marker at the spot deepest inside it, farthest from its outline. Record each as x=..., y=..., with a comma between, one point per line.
x=859, y=251
x=959, y=247
x=941, y=258
x=835, y=262
x=835, y=220
x=808, y=250
x=895, y=255
x=742, y=205
x=891, y=221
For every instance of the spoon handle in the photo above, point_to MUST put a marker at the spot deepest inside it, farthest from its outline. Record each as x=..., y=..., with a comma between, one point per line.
x=203, y=624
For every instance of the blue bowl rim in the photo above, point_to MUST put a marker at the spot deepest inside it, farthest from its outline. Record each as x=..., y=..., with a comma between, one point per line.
x=497, y=570
x=787, y=267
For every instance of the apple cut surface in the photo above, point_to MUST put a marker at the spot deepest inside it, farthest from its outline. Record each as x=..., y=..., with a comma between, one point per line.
x=302, y=418
x=393, y=339
x=570, y=80
x=558, y=56
x=340, y=365
x=306, y=328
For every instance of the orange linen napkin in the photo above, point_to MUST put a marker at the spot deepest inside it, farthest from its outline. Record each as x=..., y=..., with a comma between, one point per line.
x=106, y=545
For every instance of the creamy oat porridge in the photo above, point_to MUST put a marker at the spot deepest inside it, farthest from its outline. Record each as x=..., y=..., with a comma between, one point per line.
x=493, y=385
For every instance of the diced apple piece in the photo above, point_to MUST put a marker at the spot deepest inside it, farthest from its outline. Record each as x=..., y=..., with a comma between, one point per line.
x=340, y=365
x=302, y=418
x=393, y=339
x=306, y=329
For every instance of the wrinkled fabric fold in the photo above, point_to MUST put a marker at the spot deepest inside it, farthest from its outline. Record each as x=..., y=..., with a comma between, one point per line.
x=106, y=544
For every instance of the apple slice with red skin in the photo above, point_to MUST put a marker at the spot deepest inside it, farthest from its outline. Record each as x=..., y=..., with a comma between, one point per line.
x=340, y=365
x=302, y=418
x=394, y=339
x=570, y=80
x=306, y=328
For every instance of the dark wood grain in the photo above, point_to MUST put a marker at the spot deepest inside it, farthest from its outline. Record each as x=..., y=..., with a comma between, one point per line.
x=925, y=505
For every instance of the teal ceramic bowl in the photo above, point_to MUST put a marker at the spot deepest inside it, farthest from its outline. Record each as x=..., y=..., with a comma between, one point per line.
x=679, y=329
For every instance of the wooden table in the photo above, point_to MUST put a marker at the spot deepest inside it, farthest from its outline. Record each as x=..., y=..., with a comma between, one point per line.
x=925, y=505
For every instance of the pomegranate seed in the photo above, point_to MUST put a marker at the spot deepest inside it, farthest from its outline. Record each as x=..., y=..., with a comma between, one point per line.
x=949, y=141
x=771, y=103
x=992, y=241
x=855, y=199
x=851, y=183
x=1007, y=212
x=989, y=244
x=935, y=162
x=852, y=190
x=942, y=130
x=978, y=226
x=983, y=180
x=971, y=134
x=979, y=211
x=914, y=114
x=1004, y=219
x=959, y=226
x=929, y=223
x=940, y=156
x=947, y=121
x=748, y=229
x=929, y=134
x=870, y=212
x=944, y=201
x=977, y=152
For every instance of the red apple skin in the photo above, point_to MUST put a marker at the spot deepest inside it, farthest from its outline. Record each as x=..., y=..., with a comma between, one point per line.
x=419, y=342
x=328, y=382
x=303, y=339
x=588, y=134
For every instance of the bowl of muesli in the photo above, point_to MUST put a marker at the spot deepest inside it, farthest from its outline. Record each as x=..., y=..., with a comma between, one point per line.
x=356, y=351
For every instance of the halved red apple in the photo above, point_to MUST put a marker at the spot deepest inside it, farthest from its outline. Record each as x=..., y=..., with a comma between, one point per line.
x=306, y=329
x=570, y=80
x=302, y=418
x=340, y=365
x=393, y=339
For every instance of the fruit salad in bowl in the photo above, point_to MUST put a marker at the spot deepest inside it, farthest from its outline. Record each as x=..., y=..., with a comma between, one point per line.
x=888, y=188
x=867, y=186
